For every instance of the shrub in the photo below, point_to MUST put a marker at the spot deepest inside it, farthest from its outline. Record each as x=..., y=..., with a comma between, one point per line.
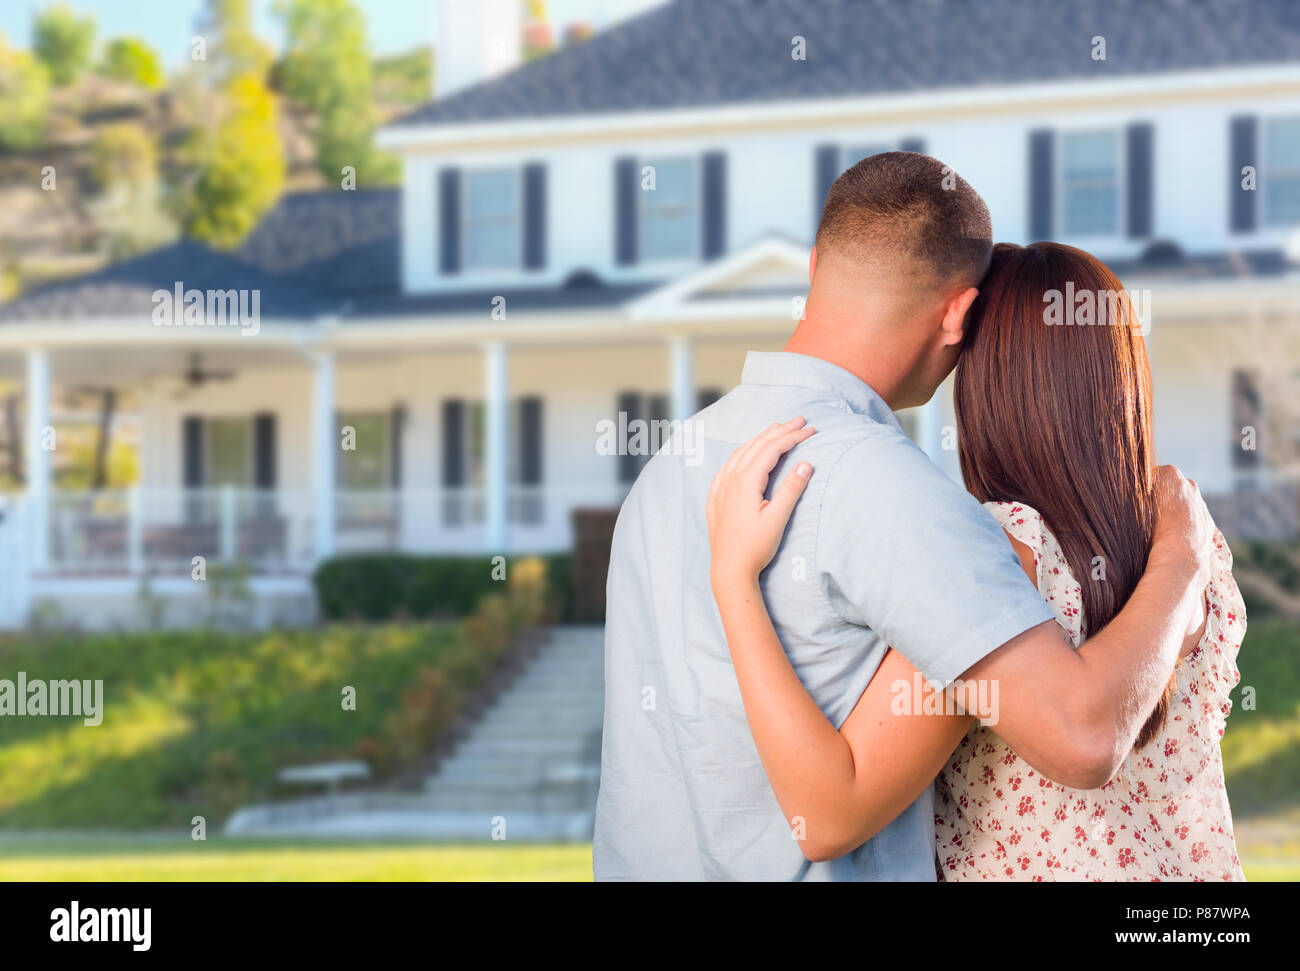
x=384, y=587
x=131, y=60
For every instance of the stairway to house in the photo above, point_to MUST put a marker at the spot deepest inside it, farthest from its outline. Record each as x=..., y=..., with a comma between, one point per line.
x=537, y=749
x=530, y=764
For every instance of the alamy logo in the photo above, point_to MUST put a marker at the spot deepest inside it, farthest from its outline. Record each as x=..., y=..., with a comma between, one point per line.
x=1098, y=308
x=179, y=307
x=129, y=924
x=80, y=699
x=638, y=436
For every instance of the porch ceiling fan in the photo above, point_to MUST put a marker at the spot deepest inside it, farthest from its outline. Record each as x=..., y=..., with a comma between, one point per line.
x=196, y=375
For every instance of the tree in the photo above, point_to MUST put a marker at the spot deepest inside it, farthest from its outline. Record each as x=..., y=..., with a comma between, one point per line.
x=131, y=60
x=233, y=49
x=24, y=98
x=128, y=193
x=242, y=168
x=122, y=154
x=63, y=41
x=327, y=70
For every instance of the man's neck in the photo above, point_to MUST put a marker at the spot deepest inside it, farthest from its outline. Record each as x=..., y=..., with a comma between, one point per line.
x=876, y=370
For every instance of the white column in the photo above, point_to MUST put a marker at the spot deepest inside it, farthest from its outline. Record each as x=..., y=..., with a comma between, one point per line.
x=36, y=454
x=496, y=397
x=325, y=446
x=226, y=530
x=681, y=366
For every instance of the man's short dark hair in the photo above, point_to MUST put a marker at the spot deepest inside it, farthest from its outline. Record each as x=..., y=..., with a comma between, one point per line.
x=913, y=207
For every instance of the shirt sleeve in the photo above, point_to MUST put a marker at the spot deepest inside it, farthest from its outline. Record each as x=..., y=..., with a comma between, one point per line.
x=906, y=551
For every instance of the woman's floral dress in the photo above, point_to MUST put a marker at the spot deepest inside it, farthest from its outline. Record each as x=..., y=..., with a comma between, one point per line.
x=1164, y=816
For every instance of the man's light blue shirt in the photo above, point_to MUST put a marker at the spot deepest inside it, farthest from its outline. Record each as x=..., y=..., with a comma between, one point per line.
x=883, y=549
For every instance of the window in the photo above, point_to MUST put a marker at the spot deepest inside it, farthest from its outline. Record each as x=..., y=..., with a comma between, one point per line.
x=1281, y=182
x=493, y=226
x=368, y=465
x=1090, y=174
x=670, y=211
x=229, y=445
x=464, y=459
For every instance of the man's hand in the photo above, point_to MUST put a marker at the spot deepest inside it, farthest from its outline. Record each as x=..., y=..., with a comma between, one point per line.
x=1184, y=531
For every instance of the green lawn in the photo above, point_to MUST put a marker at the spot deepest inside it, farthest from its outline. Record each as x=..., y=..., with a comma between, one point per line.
x=199, y=722
x=93, y=858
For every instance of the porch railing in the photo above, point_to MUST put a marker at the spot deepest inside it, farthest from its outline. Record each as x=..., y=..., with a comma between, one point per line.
x=161, y=531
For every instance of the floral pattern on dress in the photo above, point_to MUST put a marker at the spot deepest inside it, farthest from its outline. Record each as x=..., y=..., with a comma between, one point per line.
x=1164, y=816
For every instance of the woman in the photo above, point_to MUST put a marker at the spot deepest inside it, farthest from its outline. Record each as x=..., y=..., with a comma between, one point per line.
x=1054, y=428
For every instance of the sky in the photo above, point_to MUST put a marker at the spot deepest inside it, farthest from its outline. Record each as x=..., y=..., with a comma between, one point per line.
x=394, y=25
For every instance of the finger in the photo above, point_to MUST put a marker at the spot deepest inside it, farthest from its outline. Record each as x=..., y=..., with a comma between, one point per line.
x=789, y=491
x=764, y=459
x=772, y=431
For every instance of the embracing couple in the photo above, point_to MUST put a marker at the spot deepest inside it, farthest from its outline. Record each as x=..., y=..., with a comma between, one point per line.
x=825, y=660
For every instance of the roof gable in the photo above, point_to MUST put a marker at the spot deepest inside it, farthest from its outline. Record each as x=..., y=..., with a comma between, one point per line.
x=765, y=276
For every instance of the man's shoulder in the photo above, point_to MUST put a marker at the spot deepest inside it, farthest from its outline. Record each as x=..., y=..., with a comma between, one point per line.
x=859, y=445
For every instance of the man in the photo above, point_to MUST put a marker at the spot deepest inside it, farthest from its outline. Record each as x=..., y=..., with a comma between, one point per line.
x=883, y=549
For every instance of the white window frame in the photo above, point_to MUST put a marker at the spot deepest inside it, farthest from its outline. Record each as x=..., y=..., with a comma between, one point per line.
x=696, y=207
x=467, y=224
x=1121, y=187
x=1266, y=176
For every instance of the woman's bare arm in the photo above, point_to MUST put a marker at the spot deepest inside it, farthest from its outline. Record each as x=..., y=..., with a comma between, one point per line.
x=837, y=788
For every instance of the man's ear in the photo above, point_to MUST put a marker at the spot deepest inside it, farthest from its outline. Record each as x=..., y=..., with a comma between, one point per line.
x=953, y=324
x=812, y=264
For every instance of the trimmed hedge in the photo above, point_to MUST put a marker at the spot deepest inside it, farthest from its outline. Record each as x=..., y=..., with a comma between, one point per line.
x=394, y=586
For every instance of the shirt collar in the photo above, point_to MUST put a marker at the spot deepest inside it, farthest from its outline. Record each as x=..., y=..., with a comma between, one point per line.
x=785, y=369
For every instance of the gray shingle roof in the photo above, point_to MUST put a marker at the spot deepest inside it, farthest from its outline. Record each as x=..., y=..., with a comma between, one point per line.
x=126, y=289
x=333, y=241
x=696, y=53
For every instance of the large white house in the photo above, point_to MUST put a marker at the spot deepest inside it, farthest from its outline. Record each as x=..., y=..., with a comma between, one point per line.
x=609, y=229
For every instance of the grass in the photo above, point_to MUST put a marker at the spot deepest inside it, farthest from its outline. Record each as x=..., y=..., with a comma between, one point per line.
x=1261, y=745
x=96, y=858
x=129, y=858
x=198, y=723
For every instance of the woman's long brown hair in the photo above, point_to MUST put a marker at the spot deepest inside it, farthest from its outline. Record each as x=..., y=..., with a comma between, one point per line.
x=1057, y=415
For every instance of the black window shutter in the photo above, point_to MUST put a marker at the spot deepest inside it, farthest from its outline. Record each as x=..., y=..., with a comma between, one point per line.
x=629, y=403
x=535, y=216
x=706, y=396
x=396, y=425
x=192, y=451
x=449, y=220
x=1242, y=138
x=657, y=408
x=625, y=211
x=530, y=441
x=715, y=205
x=453, y=443
x=1040, y=185
x=912, y=145
x=1141, y=152
x=827, y=166
x=264, y=450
